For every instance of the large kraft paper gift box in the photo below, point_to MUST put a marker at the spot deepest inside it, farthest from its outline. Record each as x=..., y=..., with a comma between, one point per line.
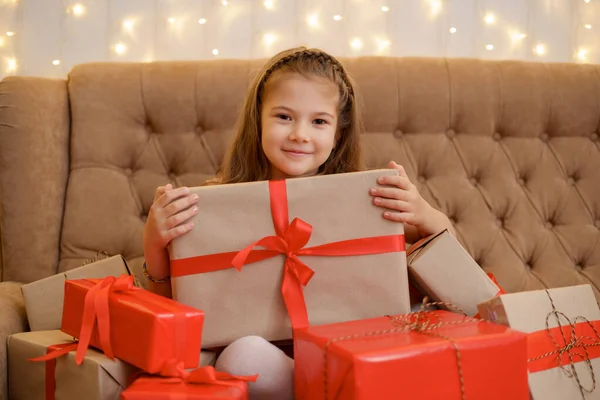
x=97, y=378
x=441, y=268
x=249, y=301
x=437, y=355
x=44, y=298
x=563, y=340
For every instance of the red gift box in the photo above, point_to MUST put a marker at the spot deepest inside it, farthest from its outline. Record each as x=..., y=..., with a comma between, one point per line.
x=137, y=326
x=425, y=355
x=201, y=384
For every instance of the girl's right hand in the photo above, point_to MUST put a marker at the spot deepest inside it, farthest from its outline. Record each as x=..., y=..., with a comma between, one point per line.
x=169, y=216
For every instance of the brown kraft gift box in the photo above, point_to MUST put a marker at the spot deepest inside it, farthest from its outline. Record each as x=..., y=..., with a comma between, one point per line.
x=97, y=378
x=250, y=302
x=563, y=326
x=443, y=270
x=44, y=298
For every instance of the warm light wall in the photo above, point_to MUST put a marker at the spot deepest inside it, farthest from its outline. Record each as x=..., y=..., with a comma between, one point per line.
x=48, y=37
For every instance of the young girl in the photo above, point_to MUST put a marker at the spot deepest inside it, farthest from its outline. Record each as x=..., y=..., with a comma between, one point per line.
x=300, y=118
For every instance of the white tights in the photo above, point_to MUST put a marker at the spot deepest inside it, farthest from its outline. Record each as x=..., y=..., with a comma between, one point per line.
x=254, y=355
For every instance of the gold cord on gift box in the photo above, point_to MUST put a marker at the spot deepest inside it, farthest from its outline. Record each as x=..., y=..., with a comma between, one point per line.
x=421, y=323
x=575, y=342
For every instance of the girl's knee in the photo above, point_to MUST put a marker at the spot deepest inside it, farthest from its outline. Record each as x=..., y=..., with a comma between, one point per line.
x=254, y=355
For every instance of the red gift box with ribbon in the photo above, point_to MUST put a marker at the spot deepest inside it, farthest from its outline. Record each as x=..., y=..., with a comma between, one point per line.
x=254, y=272
x=563, y=338
x=424, y=355
x=201, y=384
x=135, y=325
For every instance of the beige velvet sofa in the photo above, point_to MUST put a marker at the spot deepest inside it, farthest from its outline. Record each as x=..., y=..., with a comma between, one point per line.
x=510, y=151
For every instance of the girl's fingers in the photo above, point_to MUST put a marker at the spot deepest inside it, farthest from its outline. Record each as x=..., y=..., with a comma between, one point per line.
x=405, y=217
x=389, y=193
x=396, y=205
x=178, y=231
x=181, y=217
x=180, y=204
x=170, y=195
x=401, y=182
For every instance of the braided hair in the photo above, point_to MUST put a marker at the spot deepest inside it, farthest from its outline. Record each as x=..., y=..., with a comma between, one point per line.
x=246, y=161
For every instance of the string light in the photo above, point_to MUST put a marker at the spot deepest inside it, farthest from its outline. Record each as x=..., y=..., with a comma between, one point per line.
x=385, y=8
x=268, y=4
x=382, y=45
x=128, y=25
x=120, y=48
x=78, y=10
x=202, y=21
x=171, y=20
x=587, y=1
x=11, y=65
x=489, y=47
x=588, y=26
x=356, y=44
x=313, y=20
x=215, y=52
x=516, y=36
x=2, y=41
x=453, y=30
x=436, y=7
x=269, y=39
x=489, y=18
x=224, y=2
x=56, y=62
x=582, y=55
x=10, y=33
x=540, y=49
x=337, y=17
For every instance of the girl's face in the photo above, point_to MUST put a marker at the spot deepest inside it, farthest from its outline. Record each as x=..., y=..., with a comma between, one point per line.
x=298, y=123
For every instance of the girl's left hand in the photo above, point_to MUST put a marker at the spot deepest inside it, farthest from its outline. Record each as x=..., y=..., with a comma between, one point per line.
x=403, y=203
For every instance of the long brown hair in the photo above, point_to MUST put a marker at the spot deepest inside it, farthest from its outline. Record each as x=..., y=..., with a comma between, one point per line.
x=246, y=161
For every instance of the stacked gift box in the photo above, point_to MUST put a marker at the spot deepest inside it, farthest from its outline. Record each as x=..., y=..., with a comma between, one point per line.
x=334, y=277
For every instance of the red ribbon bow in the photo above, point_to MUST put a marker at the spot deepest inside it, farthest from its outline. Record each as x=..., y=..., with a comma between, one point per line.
x=289, y=240
x=175, y=373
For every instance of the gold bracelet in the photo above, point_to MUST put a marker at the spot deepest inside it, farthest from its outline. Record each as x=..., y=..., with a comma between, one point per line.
x=151, y=279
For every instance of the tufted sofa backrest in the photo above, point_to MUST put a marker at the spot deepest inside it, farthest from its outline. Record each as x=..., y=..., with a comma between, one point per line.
x=508, y=150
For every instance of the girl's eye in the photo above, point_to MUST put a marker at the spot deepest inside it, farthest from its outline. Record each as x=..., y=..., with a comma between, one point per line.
x=320, y=121
x=284, y=117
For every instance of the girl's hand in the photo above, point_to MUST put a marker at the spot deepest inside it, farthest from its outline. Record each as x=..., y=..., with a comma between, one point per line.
x=403, y=203
x=169, y=217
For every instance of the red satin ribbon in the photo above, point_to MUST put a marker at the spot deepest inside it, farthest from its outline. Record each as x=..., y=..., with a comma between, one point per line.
x=289, y=240
x=52, y=352
x=540, y=343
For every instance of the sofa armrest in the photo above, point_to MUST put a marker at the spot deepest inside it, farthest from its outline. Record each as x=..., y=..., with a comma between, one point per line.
x=34, y=167
x=13, y=319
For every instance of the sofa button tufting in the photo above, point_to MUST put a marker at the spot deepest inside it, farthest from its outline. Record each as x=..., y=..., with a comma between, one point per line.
x=450, y=133
x=598, y=223
x=474, y=181
x=398, y=133
x=422, y=179
x=497, y=136
x=549, y=225
x=544, y=137
x=594, y=137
